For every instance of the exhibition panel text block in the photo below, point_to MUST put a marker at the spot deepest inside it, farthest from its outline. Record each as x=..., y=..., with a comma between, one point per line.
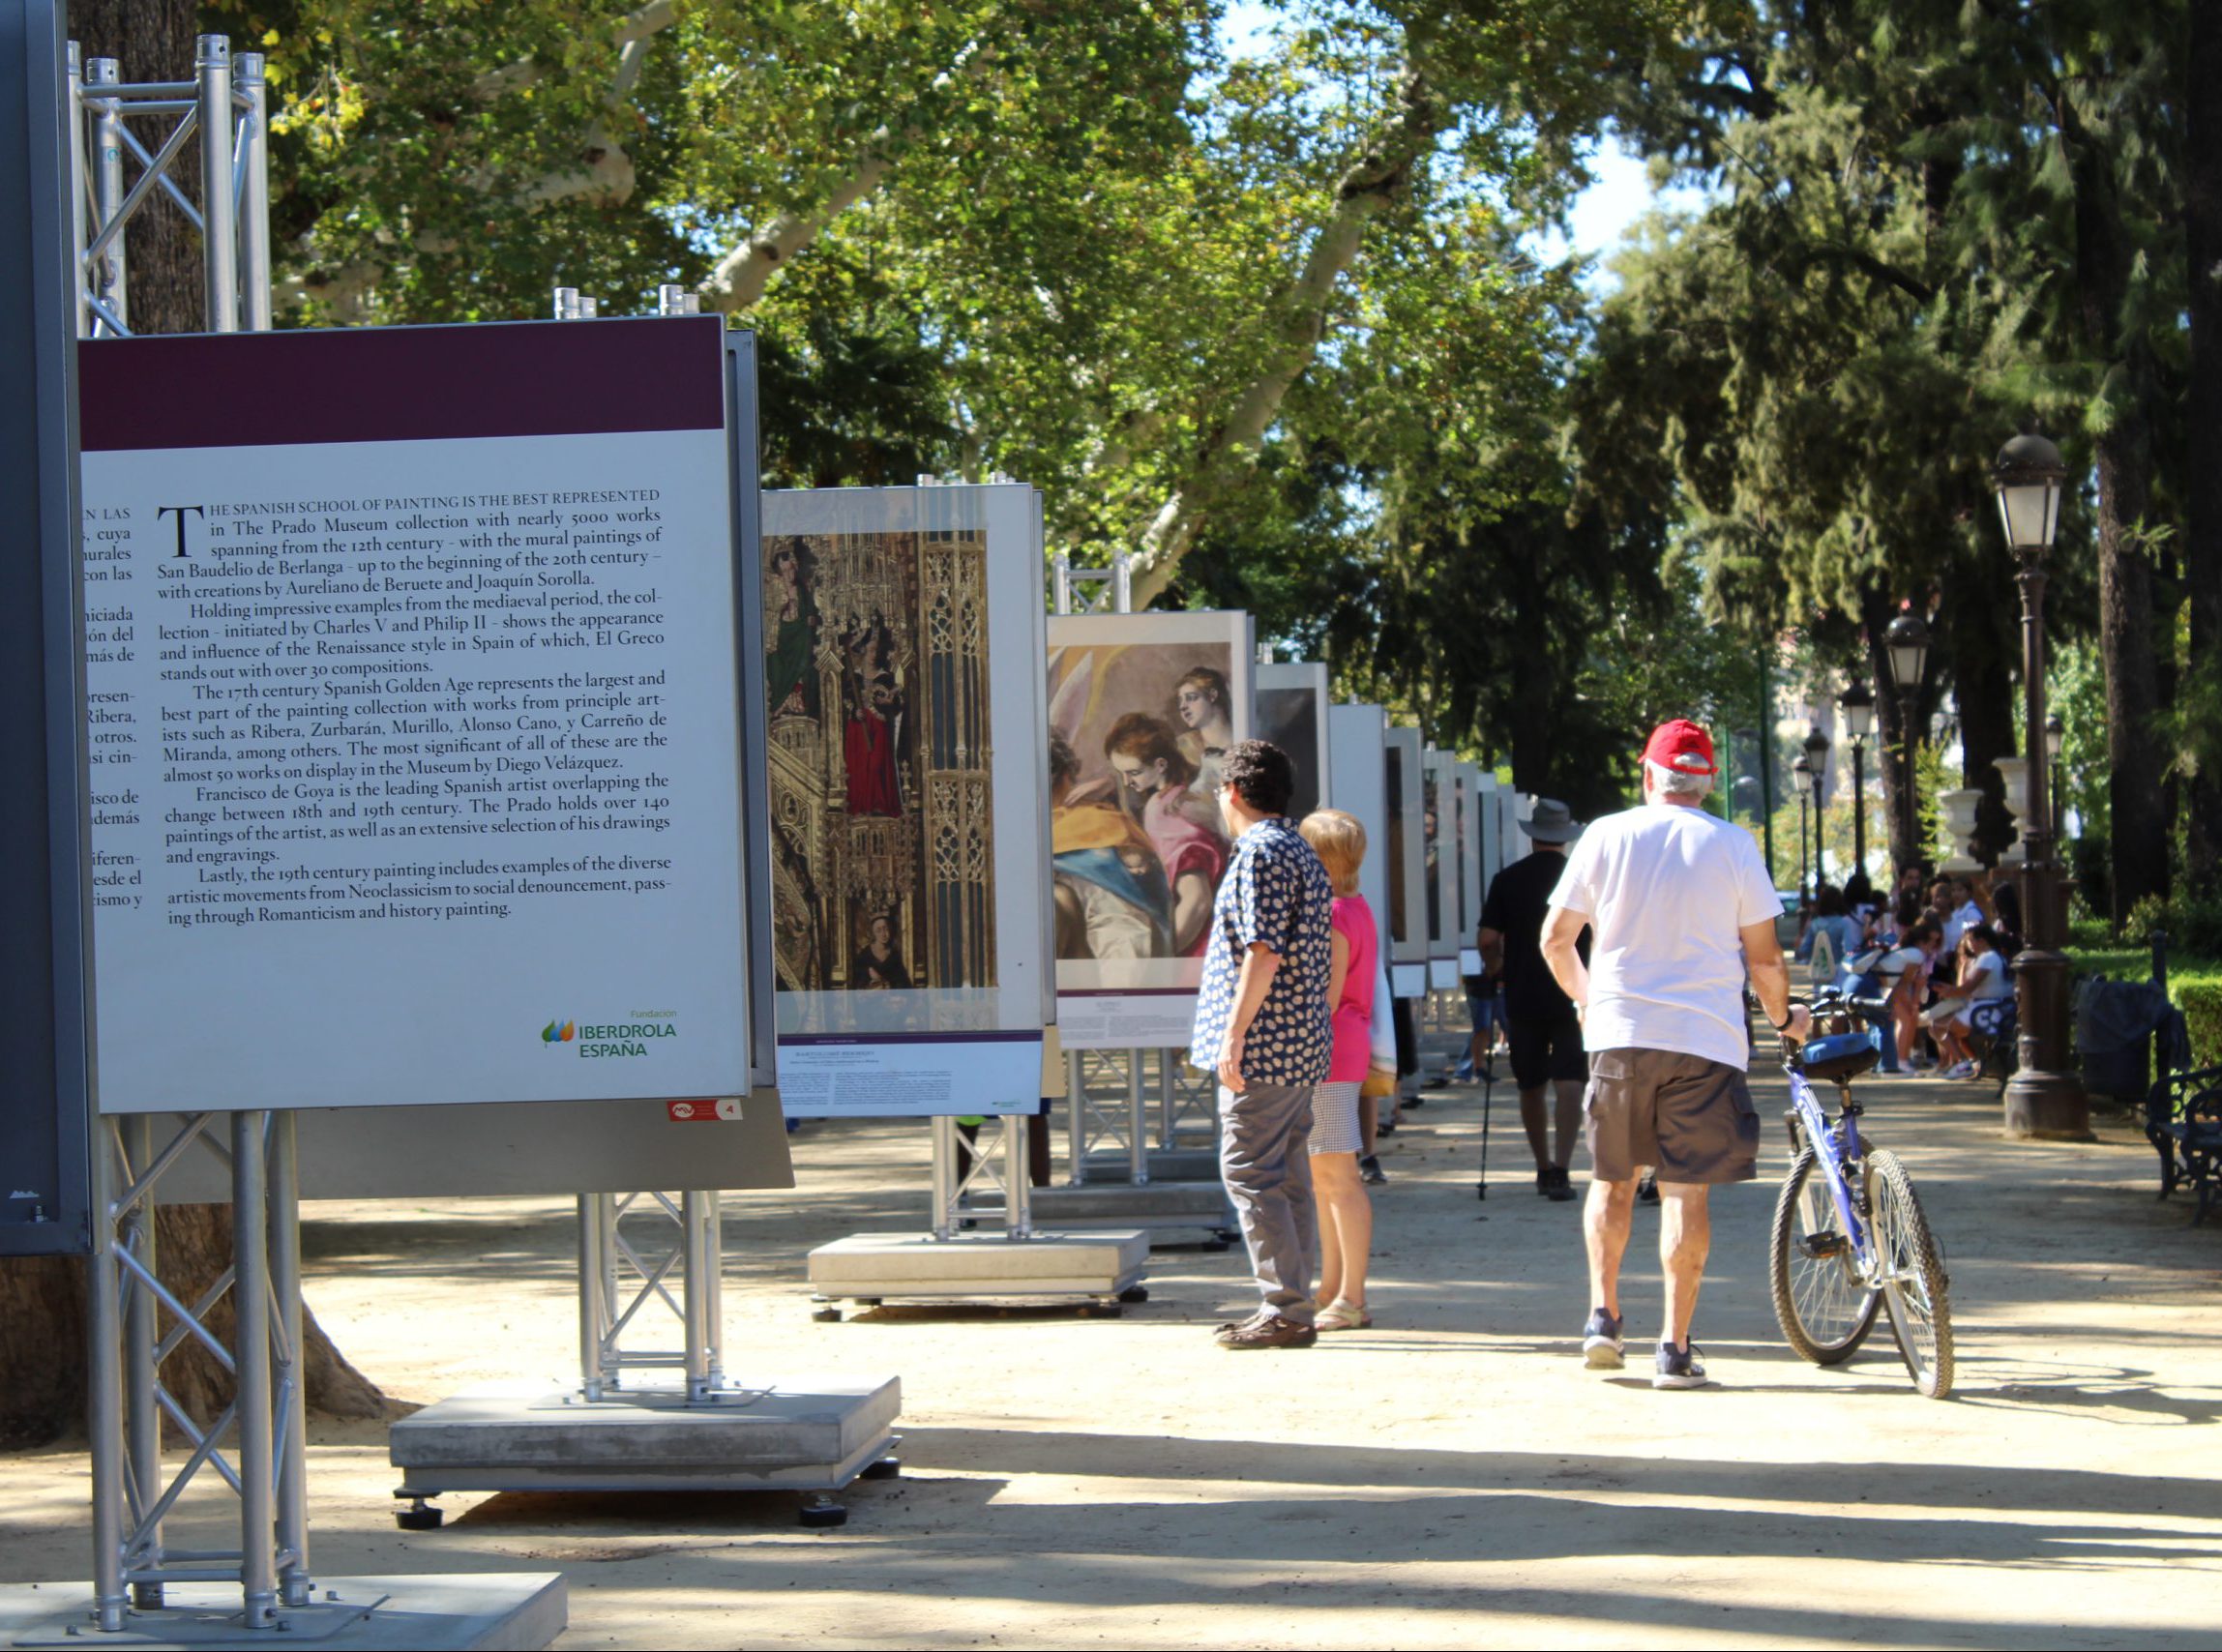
x=414, y=759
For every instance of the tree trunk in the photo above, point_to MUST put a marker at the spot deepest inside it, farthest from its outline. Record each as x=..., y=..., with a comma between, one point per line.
x=43, y=1332
x=2203, y=427
x=152, y=39
x=2126, y=643
x=2127, y=636
x=1984, y=617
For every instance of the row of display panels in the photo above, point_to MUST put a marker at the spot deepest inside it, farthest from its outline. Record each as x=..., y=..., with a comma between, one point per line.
x=430, y=725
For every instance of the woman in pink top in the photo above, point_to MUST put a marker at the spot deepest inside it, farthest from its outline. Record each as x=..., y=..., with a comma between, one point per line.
x=1345, y=1214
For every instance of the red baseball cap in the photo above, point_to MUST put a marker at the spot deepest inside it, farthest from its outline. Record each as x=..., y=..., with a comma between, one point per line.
x=1681, y=746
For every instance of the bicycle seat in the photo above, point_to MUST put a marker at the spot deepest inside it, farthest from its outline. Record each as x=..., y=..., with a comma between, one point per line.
x=1839, y=1056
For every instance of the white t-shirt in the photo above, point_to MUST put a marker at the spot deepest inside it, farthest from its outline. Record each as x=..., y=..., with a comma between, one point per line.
x=1667, y=890
x=1989, y=980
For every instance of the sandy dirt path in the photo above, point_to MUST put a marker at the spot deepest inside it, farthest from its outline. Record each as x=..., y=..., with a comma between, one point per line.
x=1451, y=1477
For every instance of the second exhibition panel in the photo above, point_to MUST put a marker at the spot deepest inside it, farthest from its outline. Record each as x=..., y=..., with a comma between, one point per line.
x=1357, y=780
x=1143, y=711
x=908, y=831
x=1405, y=854
x=1293, y=714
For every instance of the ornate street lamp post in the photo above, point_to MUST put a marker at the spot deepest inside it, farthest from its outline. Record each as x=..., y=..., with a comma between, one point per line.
x=1817, y=761
x=2044, y=1097
x=1857, y=706
x=1801, y=769
x=1906, y=643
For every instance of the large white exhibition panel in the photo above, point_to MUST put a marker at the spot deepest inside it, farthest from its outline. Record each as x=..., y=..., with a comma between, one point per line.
x=1439, y=805
x=1406, y=850
x=1357, y=783
x=414, y=717
x=909, y=821
x=1142, y=707
x=1293, y=714
x=1472, y=887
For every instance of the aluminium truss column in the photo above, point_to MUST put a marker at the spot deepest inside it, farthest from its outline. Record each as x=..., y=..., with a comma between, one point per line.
x=104, y=1396
x=219, y=205
x=294, y=1582
x=142, y=1412
x=250, y=1309
x=107, y=187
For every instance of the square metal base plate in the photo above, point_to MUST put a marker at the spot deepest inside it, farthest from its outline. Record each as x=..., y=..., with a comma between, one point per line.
x=499, y=1611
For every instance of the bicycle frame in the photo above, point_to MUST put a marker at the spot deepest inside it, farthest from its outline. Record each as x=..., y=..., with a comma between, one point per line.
x=1836, y=1148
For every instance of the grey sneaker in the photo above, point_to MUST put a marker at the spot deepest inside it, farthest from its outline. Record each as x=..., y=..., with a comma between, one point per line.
x=1370, y=1172
x=1601, y=1344
x=1679, y=1367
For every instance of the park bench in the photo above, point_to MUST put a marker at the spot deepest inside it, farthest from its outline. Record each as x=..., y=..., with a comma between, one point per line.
x=2183, y=1122
x=1996, y=1023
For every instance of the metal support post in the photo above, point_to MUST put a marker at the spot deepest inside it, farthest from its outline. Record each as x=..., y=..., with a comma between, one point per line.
x=251, y=166
x=1017, y=1180
x=110, y=273
x=142, y=1416
x=291, y=1426
x=593, y=1313
x=1076, y=1120
x=105, y=1402
x=944, y=1178
x=1167, y=1099
x=219, y=209
x=698, y=1220
x=251, y=1306
x=1137, y=1123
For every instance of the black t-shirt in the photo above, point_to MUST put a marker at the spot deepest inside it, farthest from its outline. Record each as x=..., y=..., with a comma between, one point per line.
x=1518, y=899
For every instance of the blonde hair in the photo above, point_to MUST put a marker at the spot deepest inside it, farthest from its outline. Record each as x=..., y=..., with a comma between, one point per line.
x=1339, y=843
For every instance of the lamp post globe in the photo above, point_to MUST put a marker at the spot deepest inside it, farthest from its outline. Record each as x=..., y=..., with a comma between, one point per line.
x=2044, y=1098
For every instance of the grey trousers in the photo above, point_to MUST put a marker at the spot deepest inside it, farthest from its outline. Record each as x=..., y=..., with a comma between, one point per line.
x=1265, y=1160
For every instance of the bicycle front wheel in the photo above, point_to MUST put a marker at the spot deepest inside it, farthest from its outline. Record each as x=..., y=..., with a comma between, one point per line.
x=1824, y=1307
x=1911, y=1267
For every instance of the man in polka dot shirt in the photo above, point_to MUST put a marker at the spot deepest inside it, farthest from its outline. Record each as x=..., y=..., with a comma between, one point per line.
x=1262, y=1023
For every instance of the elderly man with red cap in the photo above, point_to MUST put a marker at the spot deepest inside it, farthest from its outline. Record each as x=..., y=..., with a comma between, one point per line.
x=1682, y=910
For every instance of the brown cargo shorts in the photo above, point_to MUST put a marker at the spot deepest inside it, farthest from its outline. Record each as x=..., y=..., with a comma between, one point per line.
x=1689, y=1119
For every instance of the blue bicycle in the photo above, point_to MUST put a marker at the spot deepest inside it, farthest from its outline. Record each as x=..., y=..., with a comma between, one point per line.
x=1850, y=1240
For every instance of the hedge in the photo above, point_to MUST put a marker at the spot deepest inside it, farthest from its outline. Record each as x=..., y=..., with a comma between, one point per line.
x=2199, y=997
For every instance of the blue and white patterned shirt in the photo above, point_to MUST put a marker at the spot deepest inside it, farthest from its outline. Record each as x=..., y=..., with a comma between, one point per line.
x=1275, y=892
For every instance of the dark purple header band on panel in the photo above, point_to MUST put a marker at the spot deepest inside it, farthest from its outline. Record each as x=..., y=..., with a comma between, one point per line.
x=403, y=384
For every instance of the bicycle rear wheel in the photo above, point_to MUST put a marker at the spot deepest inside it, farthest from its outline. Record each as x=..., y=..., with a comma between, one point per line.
x=1824, y=1307
x=1911, y=1264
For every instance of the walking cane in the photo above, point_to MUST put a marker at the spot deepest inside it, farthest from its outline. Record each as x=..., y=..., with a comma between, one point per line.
x=1488, y=1088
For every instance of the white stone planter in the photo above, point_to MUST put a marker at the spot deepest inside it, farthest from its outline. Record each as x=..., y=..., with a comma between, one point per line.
x=1958, y=808
x=2015, y=772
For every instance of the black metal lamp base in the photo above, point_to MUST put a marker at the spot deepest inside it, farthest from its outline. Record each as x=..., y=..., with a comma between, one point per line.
x=2047, y=1106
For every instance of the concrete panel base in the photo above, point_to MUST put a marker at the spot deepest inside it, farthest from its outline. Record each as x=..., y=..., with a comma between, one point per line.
x=873, y=1268
x=802, y=1436
x=1164, y=1209
x=1166, y=1164
x=503, y=1612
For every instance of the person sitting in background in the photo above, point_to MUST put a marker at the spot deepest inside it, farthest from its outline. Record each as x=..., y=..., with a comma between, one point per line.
x=1905, y=974
x=1981, y=977
x=2008, y=898
x=1345, y=1214
x=1830, y=940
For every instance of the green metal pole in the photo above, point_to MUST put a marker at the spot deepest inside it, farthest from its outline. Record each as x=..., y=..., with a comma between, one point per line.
x=1766, y=765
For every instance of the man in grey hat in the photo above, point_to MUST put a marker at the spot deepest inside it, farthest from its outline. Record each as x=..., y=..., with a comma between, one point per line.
x=1539, y=1020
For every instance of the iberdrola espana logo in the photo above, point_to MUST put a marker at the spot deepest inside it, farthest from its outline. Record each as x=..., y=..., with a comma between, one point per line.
x=559, y=1032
